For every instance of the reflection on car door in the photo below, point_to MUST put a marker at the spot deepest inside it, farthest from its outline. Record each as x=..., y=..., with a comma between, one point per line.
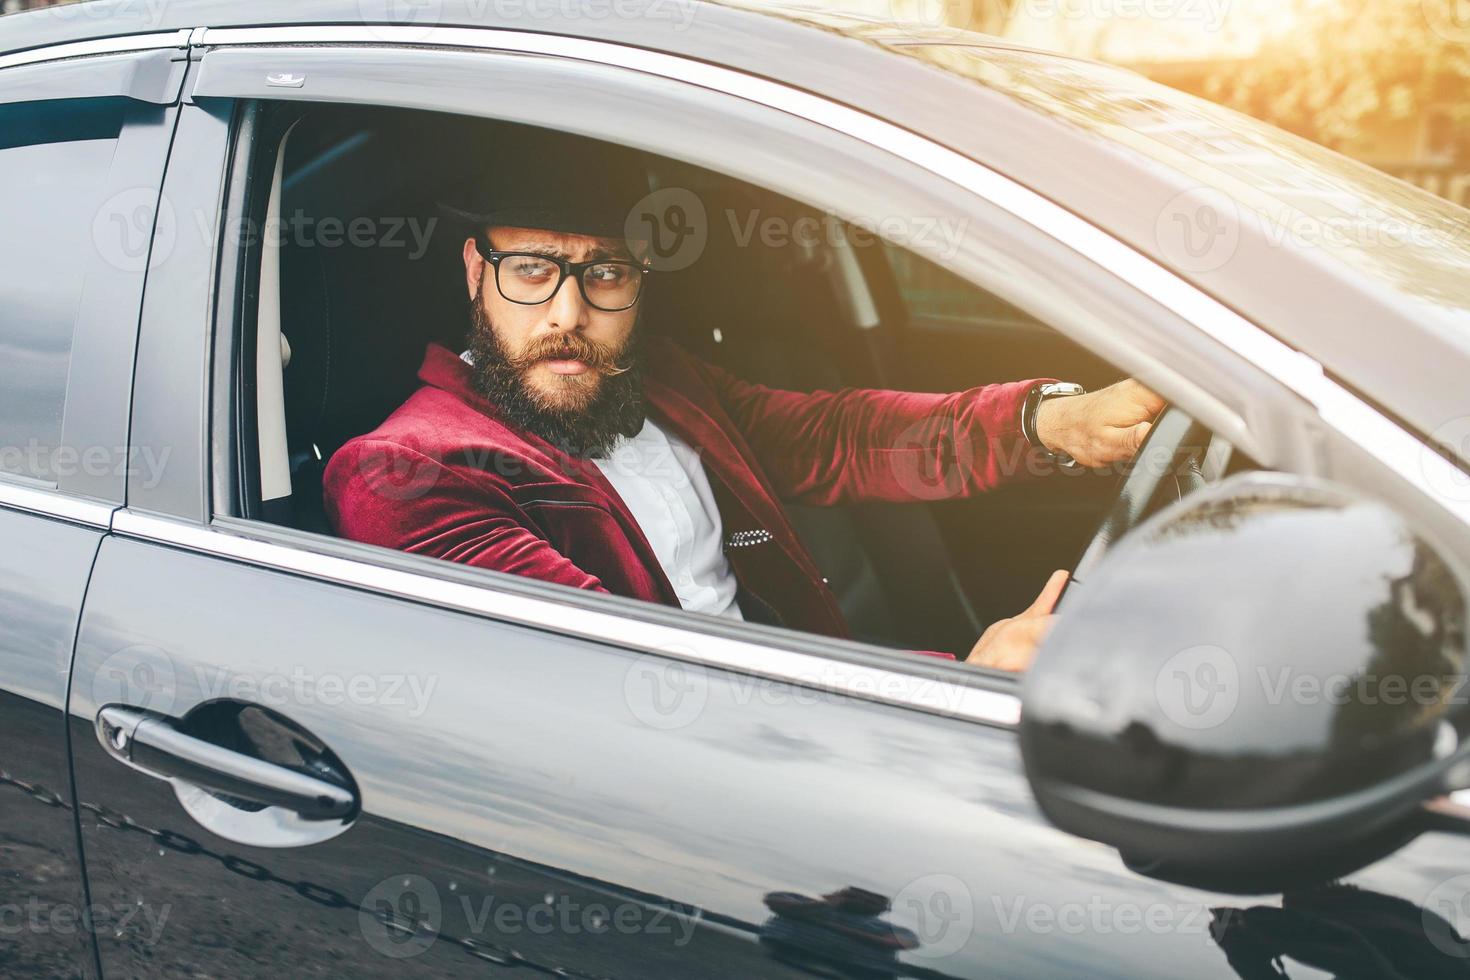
x=43, y=574
x=526, y=798
x=81, y=141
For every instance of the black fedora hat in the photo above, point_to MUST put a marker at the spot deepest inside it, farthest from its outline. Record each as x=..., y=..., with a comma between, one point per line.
x=527, y=177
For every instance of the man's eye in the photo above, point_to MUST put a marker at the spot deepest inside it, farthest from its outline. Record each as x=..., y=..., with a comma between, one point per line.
x=531, y=268
x=608, y=275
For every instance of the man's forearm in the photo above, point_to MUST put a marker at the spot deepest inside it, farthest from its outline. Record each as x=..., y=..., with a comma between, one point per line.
x=864, y=445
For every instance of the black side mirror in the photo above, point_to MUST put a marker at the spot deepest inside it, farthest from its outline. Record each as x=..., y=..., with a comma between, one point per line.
x=1259, y=687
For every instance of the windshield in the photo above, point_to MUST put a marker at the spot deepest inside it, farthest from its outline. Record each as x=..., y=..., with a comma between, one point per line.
x=1301, y=194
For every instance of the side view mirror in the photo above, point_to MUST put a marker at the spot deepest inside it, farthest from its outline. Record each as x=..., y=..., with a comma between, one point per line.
x=1260, y=687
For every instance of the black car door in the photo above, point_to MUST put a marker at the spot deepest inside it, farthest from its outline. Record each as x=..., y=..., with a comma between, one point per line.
x=418, y=769
x=82, y=148
x=333, y=759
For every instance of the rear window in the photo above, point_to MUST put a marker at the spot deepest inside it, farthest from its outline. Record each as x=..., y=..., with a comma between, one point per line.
x=54, y=162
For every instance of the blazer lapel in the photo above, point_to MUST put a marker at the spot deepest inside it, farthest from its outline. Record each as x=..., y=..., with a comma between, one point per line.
x=725, y=462
x=588, y=472
x=444, y=369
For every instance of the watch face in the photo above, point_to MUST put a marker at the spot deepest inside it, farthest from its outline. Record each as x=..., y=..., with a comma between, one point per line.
x=1062, y=388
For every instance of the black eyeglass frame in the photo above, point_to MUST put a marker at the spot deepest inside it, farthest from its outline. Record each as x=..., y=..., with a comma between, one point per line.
x=494, y=257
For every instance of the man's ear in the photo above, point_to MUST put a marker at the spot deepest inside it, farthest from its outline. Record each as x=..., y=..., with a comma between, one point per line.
x=474, y=267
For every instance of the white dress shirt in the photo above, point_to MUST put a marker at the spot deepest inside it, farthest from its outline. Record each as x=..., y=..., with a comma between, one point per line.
x=663, y=482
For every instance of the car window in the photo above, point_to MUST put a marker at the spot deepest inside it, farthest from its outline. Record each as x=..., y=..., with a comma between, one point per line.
x=930, y=291
x=366, y=301
x=54, y=162
x=372, y=305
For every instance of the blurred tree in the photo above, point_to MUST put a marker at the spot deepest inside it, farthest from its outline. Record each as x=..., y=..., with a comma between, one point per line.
x=1354, y=70
x=15, y=6
x=986, y=16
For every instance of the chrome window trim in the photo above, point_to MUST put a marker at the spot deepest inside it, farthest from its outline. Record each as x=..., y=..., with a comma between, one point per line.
x=894, y=687
x=54, y=503
x=97, y=46
x=1399, y=450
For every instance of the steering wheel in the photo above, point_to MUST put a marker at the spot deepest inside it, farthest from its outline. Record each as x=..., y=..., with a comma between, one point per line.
x=1169, y=465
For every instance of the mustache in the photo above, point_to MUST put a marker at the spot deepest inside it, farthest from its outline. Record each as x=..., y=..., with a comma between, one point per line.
x=570, y=347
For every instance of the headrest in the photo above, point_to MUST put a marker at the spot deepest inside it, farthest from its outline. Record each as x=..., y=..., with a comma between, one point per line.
x=358, y=320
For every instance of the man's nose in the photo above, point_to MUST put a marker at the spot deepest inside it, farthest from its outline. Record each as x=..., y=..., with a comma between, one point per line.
x=567, y=310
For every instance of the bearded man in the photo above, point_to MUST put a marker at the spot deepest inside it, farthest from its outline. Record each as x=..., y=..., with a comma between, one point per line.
x=565, y=445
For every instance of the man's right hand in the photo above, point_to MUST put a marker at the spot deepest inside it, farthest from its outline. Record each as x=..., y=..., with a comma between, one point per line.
x=1010, y=644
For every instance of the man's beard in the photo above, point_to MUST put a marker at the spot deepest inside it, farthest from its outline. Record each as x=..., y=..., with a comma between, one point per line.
x=589, y=424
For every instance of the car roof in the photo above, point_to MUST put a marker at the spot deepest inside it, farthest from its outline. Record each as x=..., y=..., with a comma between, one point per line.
x=1101, y=141
x=750, y=19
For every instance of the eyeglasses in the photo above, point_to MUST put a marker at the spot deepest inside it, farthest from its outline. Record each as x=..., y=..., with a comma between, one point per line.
x=529, y=278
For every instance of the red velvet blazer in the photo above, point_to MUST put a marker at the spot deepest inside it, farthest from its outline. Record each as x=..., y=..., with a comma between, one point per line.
x=445, y=475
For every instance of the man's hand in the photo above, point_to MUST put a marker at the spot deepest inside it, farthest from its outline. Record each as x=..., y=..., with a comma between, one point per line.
x=1010, y=644
x=1100, y=427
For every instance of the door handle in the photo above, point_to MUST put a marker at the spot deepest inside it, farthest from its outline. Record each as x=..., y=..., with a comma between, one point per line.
x=153, y=745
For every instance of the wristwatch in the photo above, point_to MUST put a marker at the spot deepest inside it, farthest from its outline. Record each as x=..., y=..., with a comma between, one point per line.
x=1032, y=406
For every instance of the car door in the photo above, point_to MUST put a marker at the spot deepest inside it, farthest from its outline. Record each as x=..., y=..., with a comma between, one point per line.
x=527, y=782
x=333, y=759
x=82, y=147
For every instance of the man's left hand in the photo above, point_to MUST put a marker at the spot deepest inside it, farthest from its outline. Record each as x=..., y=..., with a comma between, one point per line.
x=1100, y=427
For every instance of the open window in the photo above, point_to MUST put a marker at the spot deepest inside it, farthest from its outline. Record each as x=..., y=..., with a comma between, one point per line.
x=356, y=269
